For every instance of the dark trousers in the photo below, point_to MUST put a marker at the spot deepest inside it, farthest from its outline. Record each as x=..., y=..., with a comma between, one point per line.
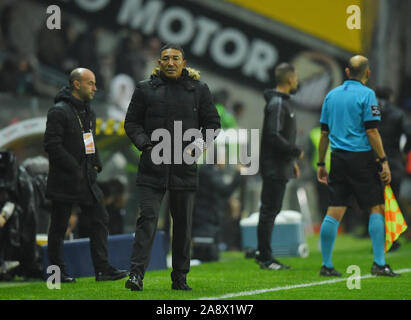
x=98, y=217
x=271, y=202
x=181, y=208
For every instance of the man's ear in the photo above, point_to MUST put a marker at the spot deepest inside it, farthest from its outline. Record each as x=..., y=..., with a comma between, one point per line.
x=290, y=80
x=184, y=63
x=347, y=72
x=76, y=84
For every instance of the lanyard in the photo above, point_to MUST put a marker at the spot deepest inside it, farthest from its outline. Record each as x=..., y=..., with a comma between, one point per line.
x=79, y=120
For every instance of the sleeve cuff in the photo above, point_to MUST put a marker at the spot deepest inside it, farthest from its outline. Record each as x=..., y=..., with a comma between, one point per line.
x=324, y=127
x=371, y=124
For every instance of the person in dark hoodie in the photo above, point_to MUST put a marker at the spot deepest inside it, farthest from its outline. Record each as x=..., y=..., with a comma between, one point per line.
x=19, y=208
x=172, y=95
x=394, y=123
x=277, y=160
x=74, y=164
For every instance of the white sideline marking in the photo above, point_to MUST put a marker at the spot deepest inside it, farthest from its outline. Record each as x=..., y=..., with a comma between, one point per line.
x=304, y=285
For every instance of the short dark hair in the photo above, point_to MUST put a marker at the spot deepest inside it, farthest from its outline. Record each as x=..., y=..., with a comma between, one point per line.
x=358, y=71
x=282, y=72
x=173, y=46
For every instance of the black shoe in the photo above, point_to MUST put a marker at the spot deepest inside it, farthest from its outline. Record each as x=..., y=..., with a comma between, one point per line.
x=179, y=281
x=395, y=246
x=134, y=283
x=329, y=272
x=65, y=278
x=180, y=285
x=272, y=264
x=377, y=270
x=111, y=273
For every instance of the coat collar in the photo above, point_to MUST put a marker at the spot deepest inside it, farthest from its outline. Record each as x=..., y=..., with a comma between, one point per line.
x=269, y=93
x=188, y=76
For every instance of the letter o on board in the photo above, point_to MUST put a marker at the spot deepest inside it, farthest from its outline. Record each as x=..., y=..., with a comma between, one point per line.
x=218, y=48
x=165, y=28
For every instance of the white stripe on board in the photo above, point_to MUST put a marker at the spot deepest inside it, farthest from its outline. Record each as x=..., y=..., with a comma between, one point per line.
x=304, y=285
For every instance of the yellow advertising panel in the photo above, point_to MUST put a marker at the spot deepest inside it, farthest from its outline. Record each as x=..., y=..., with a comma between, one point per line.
x=323, y=19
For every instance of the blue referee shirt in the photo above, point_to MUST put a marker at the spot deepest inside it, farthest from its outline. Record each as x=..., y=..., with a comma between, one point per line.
x=345, y=110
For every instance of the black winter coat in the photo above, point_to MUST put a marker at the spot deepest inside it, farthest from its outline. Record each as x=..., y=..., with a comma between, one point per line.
x=393, y=124
x=156, y=104
x=21, y=228
x=72, y=176
x=278, y=149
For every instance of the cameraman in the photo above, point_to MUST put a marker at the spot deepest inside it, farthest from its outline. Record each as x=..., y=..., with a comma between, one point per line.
x=18, y=217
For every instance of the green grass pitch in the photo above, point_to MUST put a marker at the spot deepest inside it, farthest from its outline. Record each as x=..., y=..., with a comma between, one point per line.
x=234, y=274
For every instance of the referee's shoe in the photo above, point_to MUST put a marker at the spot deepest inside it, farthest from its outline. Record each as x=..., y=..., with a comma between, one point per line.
x=377, y=270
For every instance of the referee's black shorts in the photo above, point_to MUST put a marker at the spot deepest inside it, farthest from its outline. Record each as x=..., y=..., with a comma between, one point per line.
x=354, y=173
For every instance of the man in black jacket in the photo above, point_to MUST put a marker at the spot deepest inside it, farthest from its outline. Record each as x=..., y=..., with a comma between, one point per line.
x=394, y=123
x=278, y=155
x=18, y=237
x=172, y=95
x=74, y=163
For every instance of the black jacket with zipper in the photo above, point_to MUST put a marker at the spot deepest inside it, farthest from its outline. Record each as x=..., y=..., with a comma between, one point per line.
x=278, y=149
x=156, y=104
x=393, y=124
x=72, y=174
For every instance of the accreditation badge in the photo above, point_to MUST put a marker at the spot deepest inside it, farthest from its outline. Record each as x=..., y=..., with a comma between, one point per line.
x=89, y=143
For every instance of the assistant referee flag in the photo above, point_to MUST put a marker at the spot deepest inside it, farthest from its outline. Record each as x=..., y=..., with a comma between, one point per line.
x=394, y=220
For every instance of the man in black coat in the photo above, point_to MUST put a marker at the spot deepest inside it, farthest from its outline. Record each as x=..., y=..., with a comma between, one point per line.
x=173, y=95
x=394, y=123
x=74, y=163
x=18, y=237
x=277, y=159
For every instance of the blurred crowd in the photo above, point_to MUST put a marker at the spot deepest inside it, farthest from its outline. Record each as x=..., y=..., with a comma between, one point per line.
x=118, y=61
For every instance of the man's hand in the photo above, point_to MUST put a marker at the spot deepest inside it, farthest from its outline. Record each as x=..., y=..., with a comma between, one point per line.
x=297, y=171
x=385, y=173
x=322, y=175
